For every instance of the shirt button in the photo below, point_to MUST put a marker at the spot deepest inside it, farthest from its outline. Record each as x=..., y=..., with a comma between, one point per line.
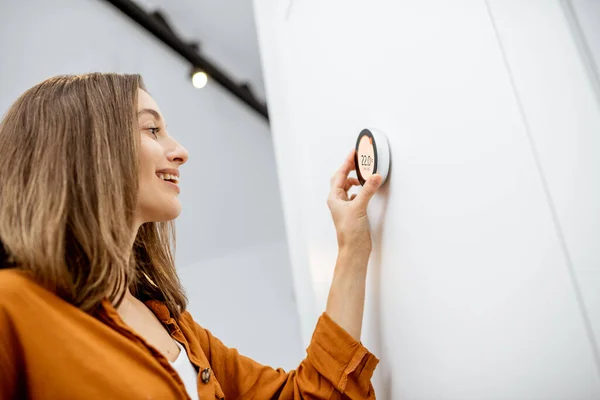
x=205, y=375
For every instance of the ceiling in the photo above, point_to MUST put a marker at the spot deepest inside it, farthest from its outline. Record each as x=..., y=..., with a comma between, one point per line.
x=225, y=30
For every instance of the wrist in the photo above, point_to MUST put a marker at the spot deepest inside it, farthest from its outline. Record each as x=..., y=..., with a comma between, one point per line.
x=355, y=252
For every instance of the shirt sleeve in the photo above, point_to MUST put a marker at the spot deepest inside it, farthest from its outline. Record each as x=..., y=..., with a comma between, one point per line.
x=336, y=367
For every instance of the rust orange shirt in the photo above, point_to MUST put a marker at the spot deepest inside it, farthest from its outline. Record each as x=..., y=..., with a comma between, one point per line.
x=50, y=349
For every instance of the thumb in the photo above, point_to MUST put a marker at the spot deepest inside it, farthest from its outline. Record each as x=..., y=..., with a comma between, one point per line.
x=369, y=189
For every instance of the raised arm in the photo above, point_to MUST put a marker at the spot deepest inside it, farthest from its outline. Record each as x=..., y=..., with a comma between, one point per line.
x=337, y=365
x=346, y=299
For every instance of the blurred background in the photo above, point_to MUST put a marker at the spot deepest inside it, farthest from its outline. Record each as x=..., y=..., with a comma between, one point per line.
x=485, y=275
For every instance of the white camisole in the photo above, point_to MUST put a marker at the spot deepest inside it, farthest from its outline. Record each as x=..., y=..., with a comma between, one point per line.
x=187, y=372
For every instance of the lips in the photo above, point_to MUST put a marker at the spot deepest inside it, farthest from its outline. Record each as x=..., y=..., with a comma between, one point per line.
x=173, y=185
x=170, y=176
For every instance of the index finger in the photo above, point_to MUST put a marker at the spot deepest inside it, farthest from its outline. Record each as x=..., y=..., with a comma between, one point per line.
x=339, y=179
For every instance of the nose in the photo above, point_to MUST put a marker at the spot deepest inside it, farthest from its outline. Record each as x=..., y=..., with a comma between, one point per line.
x=178, y=153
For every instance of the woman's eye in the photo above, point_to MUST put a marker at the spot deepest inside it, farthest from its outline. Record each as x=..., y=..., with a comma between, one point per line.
x=154, y=132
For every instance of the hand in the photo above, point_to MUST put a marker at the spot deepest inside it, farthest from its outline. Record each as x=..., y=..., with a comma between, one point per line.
x=350, y=214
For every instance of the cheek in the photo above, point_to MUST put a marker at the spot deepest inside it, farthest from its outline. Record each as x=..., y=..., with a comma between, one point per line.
x=150, y=155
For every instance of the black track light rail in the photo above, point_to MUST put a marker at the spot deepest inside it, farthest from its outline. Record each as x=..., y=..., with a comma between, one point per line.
x=157, y=27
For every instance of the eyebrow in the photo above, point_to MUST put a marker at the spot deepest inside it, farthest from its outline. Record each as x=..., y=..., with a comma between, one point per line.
x=149, y=111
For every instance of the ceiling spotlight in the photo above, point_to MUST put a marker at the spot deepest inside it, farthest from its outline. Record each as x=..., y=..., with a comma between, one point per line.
x=199, y=78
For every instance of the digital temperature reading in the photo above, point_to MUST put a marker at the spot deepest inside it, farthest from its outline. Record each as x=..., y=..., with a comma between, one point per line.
x=366, y=161
x=372, y=155
x=366, y=155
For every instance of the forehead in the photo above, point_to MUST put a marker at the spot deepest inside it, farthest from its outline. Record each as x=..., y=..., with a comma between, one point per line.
x=146, y=101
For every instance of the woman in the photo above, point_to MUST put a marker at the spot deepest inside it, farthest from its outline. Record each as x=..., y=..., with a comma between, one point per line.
x=90, y=303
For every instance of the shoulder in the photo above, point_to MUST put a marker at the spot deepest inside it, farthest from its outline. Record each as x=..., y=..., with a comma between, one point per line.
x=19, y=291
x=13, y=288
x=12, y=275
x=187, y=323
x=13, y=281
x=193, y=332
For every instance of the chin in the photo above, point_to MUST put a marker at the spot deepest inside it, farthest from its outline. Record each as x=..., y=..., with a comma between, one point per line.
x=170, y=215
x=163, y=214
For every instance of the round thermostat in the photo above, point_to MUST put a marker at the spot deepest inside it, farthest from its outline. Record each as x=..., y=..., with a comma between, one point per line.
x=372, y=155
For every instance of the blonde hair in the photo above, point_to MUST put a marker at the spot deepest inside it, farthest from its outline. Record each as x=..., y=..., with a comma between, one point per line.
x=68, y=194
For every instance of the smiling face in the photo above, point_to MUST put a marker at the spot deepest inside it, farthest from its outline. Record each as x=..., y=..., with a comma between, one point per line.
x=160, y=157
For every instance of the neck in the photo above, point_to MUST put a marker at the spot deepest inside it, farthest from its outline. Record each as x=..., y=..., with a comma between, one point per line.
x=128, y=303
x=136, y=229
x=129, y=299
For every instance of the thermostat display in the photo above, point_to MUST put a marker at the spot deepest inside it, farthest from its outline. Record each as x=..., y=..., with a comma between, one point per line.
x=372, y=155
x=366, y=156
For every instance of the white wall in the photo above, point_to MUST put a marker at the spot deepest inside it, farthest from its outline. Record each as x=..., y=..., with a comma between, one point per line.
x=231, y=228
x=484, y=278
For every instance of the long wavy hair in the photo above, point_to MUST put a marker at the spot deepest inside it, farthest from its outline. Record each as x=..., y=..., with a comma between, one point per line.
x=68, y=193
